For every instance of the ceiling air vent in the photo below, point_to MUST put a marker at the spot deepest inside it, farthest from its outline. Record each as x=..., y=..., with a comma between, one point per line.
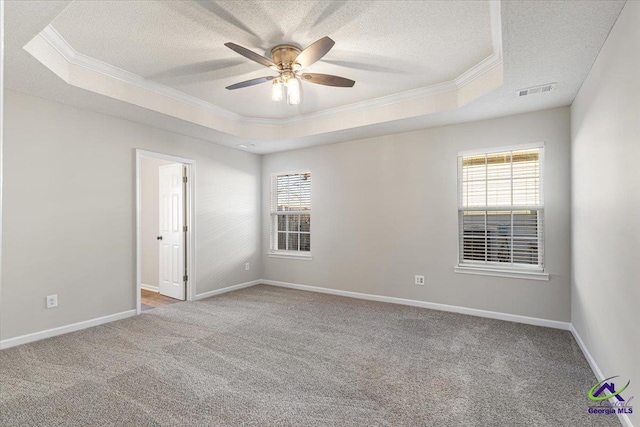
x=537, y=89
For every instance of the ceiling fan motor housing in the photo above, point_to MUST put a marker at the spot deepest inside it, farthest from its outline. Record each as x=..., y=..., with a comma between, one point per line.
x=284, y=56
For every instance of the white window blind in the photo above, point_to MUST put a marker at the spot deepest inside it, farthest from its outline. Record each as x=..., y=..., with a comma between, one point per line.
x=501, y=209
x=291, y=212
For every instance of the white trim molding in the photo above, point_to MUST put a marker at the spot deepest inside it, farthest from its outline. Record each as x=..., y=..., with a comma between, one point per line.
x=289, y=255
x=1, y=130
x=498, y=272
x=431, y=305
x=501, y=149
x=191, y=221
x=624, y=418
x=227, y=289
x=48, y=333
x=61, y=330
x=79, y=70
x=149, y=288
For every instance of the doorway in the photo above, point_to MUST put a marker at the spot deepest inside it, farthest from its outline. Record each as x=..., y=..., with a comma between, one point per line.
x=165, y=224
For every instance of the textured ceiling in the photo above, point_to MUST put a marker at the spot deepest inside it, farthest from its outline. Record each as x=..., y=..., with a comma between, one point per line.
x=385, y=48
x=543, y=42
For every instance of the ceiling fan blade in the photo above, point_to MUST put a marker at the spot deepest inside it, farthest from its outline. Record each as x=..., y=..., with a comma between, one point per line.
x=250, y=82
x=251, y=55
x=315, y=52
x=327, y=80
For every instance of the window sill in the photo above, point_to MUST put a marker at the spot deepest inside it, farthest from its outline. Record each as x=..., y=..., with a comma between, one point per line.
x=497, y=272
x=290, y=255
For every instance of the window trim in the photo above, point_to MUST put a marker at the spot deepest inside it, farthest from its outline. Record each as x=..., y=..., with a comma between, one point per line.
x=493, y=150
x=290, y=255
x=518, y=271
x=283, y=253
x=514, y=273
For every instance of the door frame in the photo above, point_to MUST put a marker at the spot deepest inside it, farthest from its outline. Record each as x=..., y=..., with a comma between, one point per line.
x=190, y=218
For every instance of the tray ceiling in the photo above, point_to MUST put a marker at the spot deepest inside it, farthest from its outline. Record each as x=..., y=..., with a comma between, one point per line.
x=543, y=42
x=385, y=47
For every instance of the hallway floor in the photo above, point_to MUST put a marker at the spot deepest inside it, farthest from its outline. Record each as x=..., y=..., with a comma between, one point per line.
x=152, y=300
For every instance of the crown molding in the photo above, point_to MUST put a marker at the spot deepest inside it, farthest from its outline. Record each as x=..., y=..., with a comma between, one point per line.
x=55, y=39
x=426, y=100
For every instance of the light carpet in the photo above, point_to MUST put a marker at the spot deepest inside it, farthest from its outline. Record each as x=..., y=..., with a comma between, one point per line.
x=267, y=356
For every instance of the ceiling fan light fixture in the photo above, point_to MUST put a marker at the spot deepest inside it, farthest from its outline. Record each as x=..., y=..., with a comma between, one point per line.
x=293, y=91
x=277, y=90
x=289, y=61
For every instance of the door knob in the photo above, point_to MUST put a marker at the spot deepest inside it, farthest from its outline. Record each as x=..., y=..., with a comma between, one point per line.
x=159, y=238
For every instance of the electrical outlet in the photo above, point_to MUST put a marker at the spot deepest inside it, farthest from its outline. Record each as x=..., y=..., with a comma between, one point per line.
x=246, y=266
x=52, y=301
x=419, y=280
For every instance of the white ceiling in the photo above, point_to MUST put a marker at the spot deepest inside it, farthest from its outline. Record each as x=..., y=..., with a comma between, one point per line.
x=543, y=42
x=385, y=48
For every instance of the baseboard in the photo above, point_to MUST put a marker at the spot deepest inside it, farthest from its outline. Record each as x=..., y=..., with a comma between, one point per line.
x=36, y=336
x=587, y=355
x=624, y=418
x=434, y=306
x=227, y=289
x=150, y=287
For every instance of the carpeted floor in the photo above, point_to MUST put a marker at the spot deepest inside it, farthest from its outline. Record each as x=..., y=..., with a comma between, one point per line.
x=267, y=356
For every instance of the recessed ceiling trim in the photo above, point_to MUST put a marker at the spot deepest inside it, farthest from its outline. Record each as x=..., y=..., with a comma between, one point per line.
x=100, y=77
x=53, y=37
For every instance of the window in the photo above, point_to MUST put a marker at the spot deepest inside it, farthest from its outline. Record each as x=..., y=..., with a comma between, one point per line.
x=501, y=210
x=291, y=214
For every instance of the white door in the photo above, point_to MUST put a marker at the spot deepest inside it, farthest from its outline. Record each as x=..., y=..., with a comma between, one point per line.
x=172, y=236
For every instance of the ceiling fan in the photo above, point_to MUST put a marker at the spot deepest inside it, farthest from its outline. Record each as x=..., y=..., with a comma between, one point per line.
x=289, y=61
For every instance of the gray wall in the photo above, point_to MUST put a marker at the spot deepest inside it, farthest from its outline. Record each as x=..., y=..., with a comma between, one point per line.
x=385, y=209
x=69, y=213
x=605, y=127
x=150, y=219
